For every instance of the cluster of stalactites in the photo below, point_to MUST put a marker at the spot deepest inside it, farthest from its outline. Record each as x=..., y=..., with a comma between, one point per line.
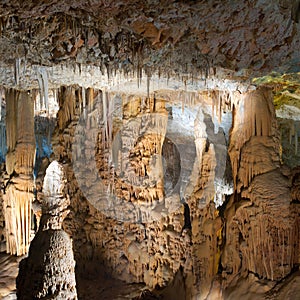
x=253, y=116
x=20, y=160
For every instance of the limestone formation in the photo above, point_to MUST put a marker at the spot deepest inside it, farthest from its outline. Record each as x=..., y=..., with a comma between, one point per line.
x=20, y=160
x=140, y=243
x=2, y=217
x=49, y=270
x=262, y=227
x=177, y=129
x=155, y=250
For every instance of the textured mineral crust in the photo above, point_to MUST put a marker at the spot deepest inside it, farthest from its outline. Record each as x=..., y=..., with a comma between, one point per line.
x=155, y=144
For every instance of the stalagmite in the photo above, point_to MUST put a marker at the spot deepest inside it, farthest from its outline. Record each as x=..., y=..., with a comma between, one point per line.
x=20, y=159
x=49, y=270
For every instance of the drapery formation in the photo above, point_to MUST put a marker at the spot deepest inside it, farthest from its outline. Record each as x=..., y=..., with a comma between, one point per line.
x=262, y=229
x=20, y=160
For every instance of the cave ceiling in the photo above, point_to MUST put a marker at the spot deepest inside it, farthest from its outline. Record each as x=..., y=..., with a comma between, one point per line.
x=188, y=40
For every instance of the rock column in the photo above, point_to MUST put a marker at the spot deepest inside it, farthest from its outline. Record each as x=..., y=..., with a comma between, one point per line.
x=262, y=231
x=49, y=270
x=20, y=159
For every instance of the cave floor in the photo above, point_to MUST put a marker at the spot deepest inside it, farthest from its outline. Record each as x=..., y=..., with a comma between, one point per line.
x=105, y=288
x=8, y=272
x=101, y=287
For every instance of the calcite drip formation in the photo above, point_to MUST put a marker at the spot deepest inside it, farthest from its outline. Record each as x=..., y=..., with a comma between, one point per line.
x=225, y=208
x=49, y=270
x=165, y=189
x=168, y=164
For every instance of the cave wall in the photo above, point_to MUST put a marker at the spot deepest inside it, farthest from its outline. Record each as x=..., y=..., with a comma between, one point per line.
x=126, y=225
x=236, y=210
x=106, y=235
x=131, y=227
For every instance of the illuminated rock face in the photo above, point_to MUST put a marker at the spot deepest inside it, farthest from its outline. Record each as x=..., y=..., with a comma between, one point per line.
x=262, y=228
x=129, y=223
x=218, y=219
x=183, y=235
x=138, y=88
x=20, y=159
x=49, y=270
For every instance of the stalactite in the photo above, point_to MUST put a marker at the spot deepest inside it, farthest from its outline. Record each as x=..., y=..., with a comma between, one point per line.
x=41, y=86
x=296, y=142
x=104, y=116
x=11, y=128
x=3, y=140
x=291, y=131
x=46, y=90
x=110, y=118
x=83, y=95
x=253, y=116
x=20, y=161
x=148, y=85
x=219, y=111
x=17, y=70
x=68, y=106
x=2, y=95
x=42, y=78
x=90, y=98
x=218, y=103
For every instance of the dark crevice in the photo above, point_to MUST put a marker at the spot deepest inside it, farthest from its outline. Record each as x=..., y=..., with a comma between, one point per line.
x=222, y=208
x=187, y=217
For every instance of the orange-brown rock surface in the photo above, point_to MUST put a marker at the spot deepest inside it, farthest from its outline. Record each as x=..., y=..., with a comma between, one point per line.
x=20, y=159
x=262, y=225
x=179, y=175
x=180, y=36
x=142, y=239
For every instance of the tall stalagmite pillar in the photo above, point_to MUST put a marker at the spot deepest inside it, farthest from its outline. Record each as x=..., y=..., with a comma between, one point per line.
x=49, y=270
x=20, y=160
